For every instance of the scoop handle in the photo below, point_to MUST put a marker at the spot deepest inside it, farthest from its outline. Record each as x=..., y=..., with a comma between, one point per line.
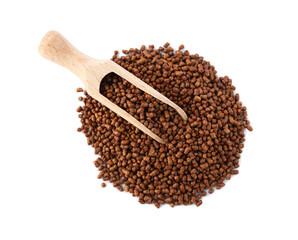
x=58, y=49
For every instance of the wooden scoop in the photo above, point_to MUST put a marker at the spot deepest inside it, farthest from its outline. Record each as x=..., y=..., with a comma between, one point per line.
x=91, y=71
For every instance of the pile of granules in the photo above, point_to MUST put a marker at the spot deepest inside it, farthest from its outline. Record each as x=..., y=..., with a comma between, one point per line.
x=199, y=154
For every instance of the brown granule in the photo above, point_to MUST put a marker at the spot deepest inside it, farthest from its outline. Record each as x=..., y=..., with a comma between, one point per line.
x=199, y=154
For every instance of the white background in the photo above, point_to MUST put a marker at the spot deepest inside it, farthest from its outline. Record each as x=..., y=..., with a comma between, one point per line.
x=48, y=184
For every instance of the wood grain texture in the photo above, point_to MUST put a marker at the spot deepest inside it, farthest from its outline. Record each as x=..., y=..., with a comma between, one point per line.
x=56, y=48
